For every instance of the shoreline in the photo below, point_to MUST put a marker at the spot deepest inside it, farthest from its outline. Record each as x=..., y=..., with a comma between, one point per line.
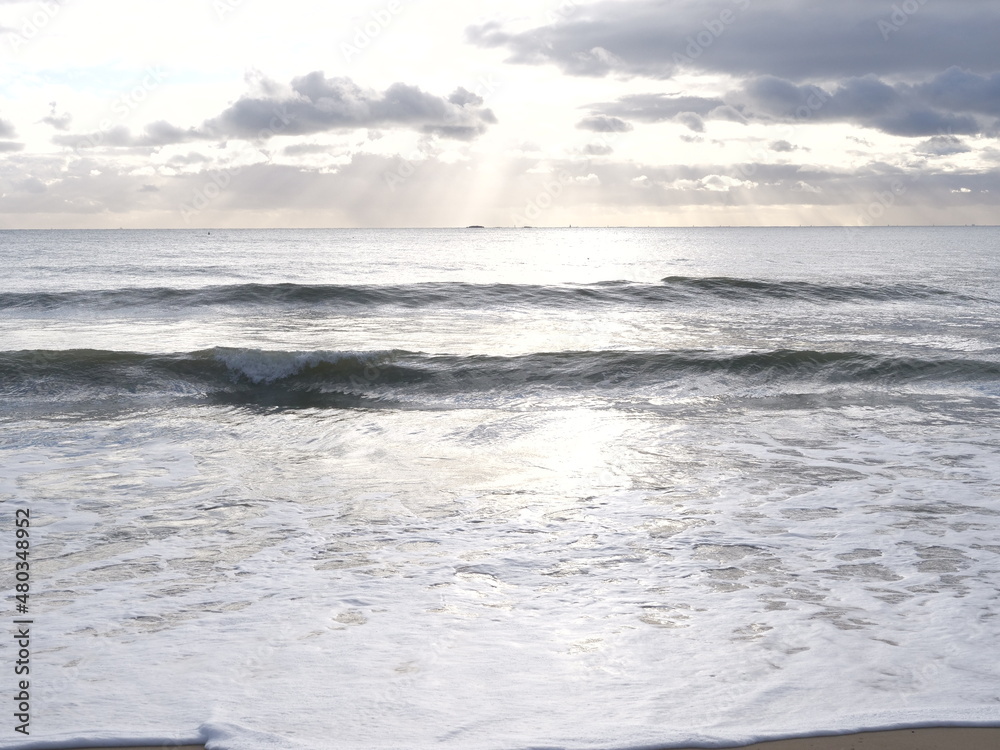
x=930, y=738
x=925, y=738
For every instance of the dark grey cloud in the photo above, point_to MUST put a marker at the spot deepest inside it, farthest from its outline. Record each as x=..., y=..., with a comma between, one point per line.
x=899, y=109
x=156, y=134
x=690, y=111
x=7, y=129
x=943, y=145
x=658, y=107
x=793, y=39
x=953, y=102
x=604, y=124
x=317, y=104
x=312, y=104
x=9, y=146
x=961, y=90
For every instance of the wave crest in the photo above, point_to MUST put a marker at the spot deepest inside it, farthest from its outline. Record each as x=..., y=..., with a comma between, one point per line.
x=342, y=378
x=458, y=295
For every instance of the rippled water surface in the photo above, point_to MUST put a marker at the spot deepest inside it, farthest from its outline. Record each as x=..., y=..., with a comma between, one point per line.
x=504, y=488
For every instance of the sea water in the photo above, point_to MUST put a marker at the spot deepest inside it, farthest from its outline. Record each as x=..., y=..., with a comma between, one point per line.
x=501, y=489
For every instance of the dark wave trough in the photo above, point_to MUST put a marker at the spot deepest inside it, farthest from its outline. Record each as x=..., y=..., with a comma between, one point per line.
x=352, y=378
x=455, y=295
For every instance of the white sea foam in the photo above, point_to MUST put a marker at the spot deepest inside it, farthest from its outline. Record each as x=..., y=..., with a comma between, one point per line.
x=553, y=567
x=267, y=366
x=295, y=586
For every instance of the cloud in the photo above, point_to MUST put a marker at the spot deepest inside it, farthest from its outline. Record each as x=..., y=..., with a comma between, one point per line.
x=311, y=104
x=604, y=124
x=60, y=122
x=300, y=149
x=7, y=129
x=192, y=157
x=692, y=121
x=952, y=102
x=90, y=191
x=899, y=109
x=658, y=107
x=943, y=145
x=9, y=146
x=964, y=91
x=793, y=39
x=28, y=185
x=357, y=193
x=764, y=185
x=690, y=111
x=804, y=187
x=156, y=134
x=317, y=104
x=462, y=96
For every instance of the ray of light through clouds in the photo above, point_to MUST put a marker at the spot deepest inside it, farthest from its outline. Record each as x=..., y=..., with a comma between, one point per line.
x=440, y=112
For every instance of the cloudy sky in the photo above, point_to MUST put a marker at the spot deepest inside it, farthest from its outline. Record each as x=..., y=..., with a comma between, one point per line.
x=206, y=113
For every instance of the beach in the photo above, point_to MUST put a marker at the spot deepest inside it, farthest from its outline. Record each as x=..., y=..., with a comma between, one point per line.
x=938, y=738
x=949, y=738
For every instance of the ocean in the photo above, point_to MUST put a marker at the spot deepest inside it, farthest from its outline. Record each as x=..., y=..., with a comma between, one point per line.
x=500, y=489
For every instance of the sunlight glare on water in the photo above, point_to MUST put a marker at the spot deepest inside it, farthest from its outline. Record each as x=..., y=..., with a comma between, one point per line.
x=454, y=489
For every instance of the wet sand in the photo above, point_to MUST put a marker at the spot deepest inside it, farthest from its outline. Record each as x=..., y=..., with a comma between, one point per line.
x=940, y=738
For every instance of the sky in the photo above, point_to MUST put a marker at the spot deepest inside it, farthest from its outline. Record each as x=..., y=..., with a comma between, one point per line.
x=413, y=113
